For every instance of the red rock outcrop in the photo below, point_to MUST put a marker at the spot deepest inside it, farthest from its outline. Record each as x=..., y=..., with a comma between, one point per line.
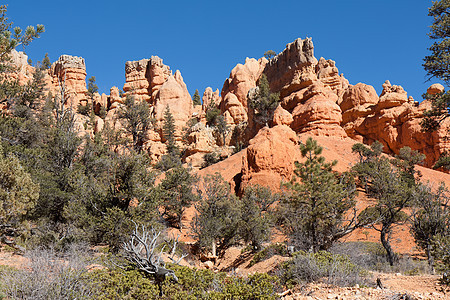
x=235, y=89
x=209, y=96
x=393, y=119
x=152, y=81
x=270, y=157
x=309, y=89
x=70, y=71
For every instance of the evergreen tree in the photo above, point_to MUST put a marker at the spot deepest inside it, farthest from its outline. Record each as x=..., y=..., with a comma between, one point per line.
x=393, y=192
x=196, y=98
x=314, y=210
x=263, y=102
x=269, y=54
x=137, y=121
x=10, y=38
x=176, y=194
x=18, y=193
x=222, y=128
x=212, y=113
x=256, y=215
x=92, y=87
x=172, y=158
x=431, y=219
x=46, y=64
x=437, y=64
x=218, y=212
x=169, y=133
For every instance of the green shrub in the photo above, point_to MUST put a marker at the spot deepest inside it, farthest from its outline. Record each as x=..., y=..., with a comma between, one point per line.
x=210, y=159
x=84, y=109
x=192, y=284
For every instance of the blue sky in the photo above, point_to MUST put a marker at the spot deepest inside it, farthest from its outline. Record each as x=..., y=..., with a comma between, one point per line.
x=371, y=41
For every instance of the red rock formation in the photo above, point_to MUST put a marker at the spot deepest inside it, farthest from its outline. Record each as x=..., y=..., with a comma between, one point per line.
x=70, y=71
x=270, y=157
x=392, y=119
x=235, y=89
x=209, y=96
x=152, y=81
x=309, y=89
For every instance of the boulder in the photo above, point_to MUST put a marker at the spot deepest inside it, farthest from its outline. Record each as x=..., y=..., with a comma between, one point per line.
x=435, y=89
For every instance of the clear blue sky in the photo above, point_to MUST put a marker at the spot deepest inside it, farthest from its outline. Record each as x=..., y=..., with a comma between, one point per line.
x=371, y=41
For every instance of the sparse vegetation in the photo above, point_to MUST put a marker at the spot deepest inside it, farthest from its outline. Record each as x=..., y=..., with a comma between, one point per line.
x=64, y=192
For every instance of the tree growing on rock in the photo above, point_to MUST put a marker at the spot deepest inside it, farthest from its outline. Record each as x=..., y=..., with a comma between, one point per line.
x=196, y=98
x=263, y=102
x=137, y=121
x=172, y=158
x=269, y=54
x=315, y=206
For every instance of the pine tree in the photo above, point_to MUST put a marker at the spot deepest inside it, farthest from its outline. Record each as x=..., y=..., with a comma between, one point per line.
x=46, y=64
x=269, y=54
x=393, y=190
x=137, y=121
x=431, y=218
x=196, y=98
x=314, y=210
x=437, y=63
x=10, y=38
x=218, y=212
x=263, y=102
x=256, y=215
x=176, y=194
x=169, y=133
x=18, y=193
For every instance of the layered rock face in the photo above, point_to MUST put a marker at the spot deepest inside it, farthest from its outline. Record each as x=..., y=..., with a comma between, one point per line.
x=309, y=90
x=235, y=89
x=393, y=119
x=152, y=81
x=69, y=72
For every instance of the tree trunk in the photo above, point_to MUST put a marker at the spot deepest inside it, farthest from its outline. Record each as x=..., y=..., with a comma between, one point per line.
x=214, y=251
x=430, y=259
x=387, y=245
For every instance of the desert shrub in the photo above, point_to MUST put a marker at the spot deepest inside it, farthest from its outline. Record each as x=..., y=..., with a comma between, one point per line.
x=268, y=252
x=192, y=284
x=49, y=275
x=84, y=109
x=334, y=269
x=122, y=284
x=372, y=256
x=368, y=255
x=210, y=159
